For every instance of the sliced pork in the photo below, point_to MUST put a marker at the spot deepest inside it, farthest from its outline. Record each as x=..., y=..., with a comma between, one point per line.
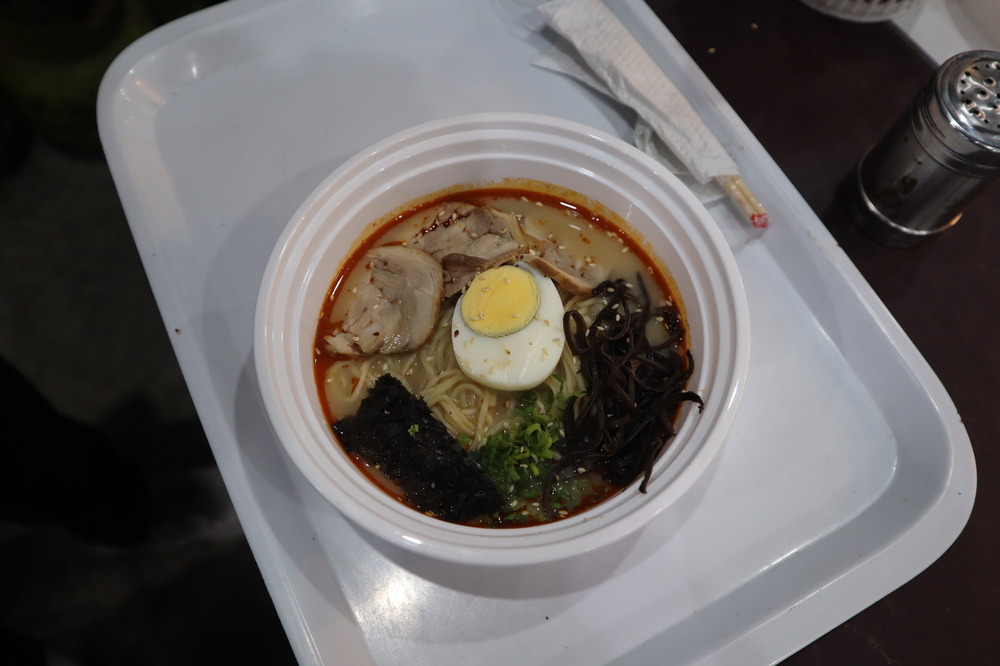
x=467, y=239
x=396, y=308
x=555, y=265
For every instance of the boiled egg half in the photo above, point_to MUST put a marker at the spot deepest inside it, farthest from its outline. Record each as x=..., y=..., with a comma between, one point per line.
x=507, y=329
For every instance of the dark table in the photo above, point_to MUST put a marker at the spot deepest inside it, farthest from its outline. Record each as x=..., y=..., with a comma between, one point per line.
x=818, y=92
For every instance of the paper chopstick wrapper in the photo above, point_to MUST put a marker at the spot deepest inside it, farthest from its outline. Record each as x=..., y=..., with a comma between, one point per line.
x=606, y=56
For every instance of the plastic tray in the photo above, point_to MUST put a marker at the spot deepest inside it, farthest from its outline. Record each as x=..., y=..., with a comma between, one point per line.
x=847, y=471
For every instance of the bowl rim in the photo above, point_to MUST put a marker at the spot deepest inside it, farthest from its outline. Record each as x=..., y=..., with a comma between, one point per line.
x=470, y=545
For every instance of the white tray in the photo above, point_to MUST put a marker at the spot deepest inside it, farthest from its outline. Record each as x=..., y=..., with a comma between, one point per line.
x=847, y=472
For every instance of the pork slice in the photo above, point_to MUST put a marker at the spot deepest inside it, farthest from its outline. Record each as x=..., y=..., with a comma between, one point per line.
x=461, y=268
x=555, y=265
x=473, y=233
x=396, y=308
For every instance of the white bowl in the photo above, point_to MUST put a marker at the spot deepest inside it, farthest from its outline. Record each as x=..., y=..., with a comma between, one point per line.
x=484, y=148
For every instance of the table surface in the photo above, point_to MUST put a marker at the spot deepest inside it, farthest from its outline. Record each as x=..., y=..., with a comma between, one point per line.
x=817, y=92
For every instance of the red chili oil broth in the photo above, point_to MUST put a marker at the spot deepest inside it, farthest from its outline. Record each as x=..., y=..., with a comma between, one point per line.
x=587, y=216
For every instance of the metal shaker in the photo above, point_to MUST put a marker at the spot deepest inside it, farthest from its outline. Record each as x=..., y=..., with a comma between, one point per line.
x=944, y=150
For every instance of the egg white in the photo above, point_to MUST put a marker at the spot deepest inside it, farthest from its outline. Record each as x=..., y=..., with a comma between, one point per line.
x=522, y=360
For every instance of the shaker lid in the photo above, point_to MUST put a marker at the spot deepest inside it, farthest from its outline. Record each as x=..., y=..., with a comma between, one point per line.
x=967, y=86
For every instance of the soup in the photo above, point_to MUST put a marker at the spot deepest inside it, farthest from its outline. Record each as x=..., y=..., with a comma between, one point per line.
x=503, y=356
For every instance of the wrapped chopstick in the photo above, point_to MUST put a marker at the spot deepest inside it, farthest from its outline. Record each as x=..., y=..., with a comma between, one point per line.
x=748, y=203
x=610, y=59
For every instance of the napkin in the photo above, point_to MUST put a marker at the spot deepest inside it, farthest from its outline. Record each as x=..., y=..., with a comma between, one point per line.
x=600, y=52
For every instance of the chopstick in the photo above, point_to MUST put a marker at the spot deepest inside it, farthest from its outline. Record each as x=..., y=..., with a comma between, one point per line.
x=744, y=199
x=621, y=68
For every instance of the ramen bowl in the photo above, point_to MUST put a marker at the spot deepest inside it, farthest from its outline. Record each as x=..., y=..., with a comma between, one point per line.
x=474, y=151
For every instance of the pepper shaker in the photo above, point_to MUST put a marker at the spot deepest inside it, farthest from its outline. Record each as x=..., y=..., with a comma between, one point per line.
x=938, y=156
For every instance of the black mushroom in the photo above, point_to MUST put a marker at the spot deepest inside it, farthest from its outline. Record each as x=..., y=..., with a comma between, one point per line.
x=396, y=308
x=635, y=389
x=467, y=239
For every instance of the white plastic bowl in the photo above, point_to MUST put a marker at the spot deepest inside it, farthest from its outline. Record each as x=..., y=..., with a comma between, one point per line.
x=484, y=148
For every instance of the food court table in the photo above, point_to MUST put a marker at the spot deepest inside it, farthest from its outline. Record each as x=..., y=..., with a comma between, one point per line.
x=817, y=92
x=849, y=469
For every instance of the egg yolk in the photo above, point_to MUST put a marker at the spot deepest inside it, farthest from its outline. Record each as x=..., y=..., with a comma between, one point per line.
x=500, y=301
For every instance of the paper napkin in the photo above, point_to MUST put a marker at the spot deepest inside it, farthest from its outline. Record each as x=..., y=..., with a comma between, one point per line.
x=603, y=54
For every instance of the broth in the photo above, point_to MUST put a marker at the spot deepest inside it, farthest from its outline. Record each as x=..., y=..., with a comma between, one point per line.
x=483, y=420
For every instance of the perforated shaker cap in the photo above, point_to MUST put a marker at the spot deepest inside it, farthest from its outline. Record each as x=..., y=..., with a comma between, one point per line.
x=967, y=86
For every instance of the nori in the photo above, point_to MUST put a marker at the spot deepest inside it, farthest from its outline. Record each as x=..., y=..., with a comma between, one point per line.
x=396, y=432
